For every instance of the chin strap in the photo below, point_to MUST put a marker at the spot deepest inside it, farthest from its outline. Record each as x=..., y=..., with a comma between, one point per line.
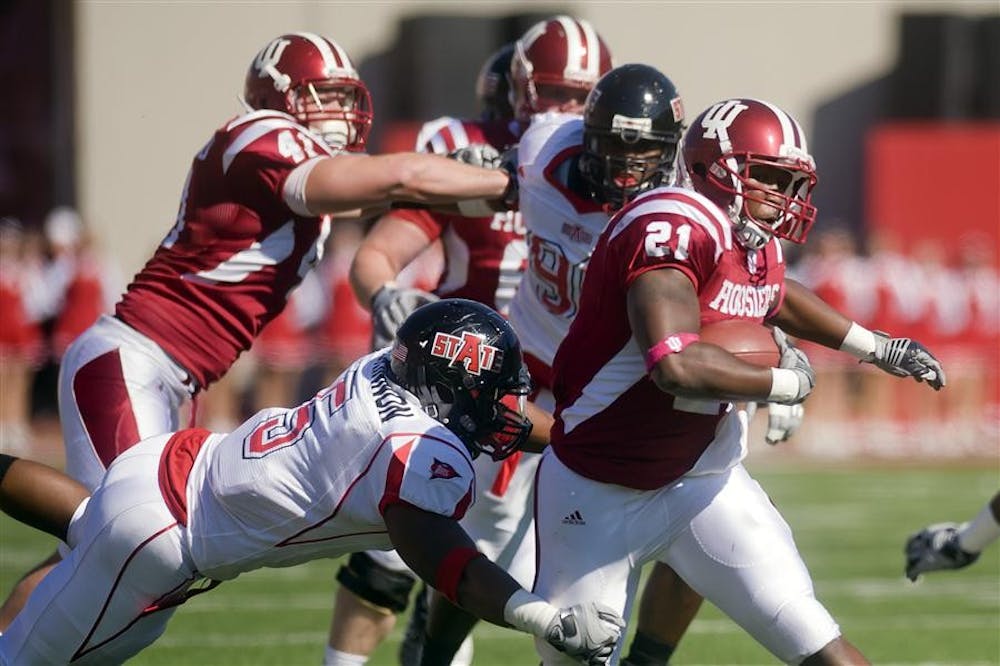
x=751, y=236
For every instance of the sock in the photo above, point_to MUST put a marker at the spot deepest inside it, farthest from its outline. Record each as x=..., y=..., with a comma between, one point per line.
x=647, y=651
x=981, y=532
x=337, y=658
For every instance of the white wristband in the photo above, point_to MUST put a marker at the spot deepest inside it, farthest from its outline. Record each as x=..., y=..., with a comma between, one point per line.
x=859, y=342
x=528, y=612
x=784, y=385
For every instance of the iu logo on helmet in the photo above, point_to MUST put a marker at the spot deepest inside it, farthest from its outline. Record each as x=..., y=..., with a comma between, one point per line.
x=718, y=119
x=469, y=350
x=267, y=61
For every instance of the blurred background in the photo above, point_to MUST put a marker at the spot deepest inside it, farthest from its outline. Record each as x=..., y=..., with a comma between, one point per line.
x=106, y=102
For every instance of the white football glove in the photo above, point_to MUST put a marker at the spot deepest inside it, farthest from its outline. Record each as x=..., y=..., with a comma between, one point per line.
x=782, y=421
x=904, y=357
x=391, y=305
x=477, y=154
x=794, y=359
x=588, y=631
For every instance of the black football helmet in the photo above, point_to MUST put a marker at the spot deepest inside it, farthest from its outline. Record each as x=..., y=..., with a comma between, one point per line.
x=632, y=124
x=493, y=85
x=463, y=362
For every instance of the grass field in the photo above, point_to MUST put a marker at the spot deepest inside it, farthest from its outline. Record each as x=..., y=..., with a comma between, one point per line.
x=850, y=526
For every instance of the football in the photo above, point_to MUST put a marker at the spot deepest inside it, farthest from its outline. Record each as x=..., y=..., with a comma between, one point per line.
x=748, y=341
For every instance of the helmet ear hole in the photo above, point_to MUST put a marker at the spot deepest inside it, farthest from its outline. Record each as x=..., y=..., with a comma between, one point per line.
x=700, y=170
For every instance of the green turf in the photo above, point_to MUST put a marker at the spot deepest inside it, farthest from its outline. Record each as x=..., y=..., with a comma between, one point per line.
x=849, y=524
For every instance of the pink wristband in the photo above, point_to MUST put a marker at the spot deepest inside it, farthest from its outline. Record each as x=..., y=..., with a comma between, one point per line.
x=672, y=344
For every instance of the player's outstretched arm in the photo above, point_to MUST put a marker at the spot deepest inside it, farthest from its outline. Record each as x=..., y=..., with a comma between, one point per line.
x=38, y=495
x=451, y=564
x=805, y=315
x=348, y=182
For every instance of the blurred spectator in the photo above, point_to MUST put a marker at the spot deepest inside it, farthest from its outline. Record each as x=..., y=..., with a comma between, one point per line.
x=832, y=267
x=975, y=343
x=346, y=331
x=80, y=285
x=20, y=339
x=284, y=348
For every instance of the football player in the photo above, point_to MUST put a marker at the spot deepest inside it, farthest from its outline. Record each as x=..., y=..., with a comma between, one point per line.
x=379, y=458
x=254, y=213
x=644, y=463
x=574, y=172
x=952, y=545
x=552, y=67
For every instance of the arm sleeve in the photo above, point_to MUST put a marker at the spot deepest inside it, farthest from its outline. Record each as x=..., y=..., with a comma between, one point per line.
x=431, y=473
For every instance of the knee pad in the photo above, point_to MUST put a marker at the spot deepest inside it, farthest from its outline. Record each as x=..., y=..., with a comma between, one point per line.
x=374, y=584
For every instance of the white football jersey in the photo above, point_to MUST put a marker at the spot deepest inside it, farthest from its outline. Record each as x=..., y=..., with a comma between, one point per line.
x=291, y=485
x=562, y=227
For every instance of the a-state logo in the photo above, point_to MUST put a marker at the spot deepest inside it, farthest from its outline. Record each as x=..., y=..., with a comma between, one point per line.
x=442, y=470
x=470, y=350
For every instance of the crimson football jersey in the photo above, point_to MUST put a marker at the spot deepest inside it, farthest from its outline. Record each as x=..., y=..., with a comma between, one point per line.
x=236, y=250
x=484, y=257
x=612, y=422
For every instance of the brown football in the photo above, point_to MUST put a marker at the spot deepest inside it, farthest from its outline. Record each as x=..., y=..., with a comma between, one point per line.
x=748, y=341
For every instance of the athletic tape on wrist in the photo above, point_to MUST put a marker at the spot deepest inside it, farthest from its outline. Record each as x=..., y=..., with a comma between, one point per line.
x=858, y=342
x=528, y=612
x=784, y=385
x=672, y=344
x=449, y=571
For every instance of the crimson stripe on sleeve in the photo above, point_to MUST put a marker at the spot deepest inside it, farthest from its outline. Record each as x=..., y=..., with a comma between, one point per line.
x=394, y=477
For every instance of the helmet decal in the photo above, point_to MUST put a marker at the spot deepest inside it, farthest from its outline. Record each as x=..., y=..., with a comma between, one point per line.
x=470, y=350
x=266, y=63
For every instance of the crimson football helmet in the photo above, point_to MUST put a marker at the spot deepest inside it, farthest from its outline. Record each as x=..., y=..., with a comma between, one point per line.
x=493, y=85
x=463, y=362
x=555, y=61
x=736, y=140
x=312, y=78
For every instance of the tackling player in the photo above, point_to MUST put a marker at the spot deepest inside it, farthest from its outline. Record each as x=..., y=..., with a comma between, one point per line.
x=646, y=449
x=253, y=216
x=181, y=512
x=484, y=258
x=551, y=67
